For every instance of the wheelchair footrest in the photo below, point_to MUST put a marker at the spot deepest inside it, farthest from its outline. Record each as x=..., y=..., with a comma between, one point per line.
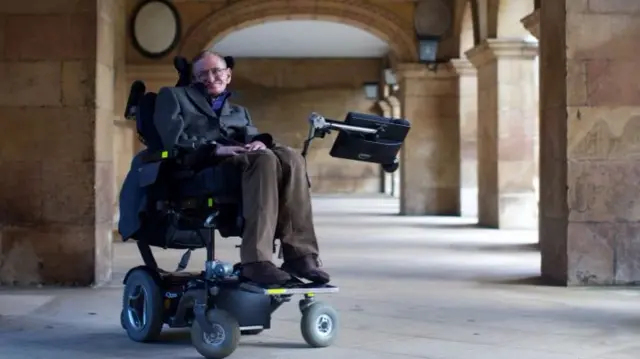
x=305, y=288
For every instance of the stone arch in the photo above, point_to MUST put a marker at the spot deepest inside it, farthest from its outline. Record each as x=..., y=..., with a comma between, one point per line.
x=359, y=13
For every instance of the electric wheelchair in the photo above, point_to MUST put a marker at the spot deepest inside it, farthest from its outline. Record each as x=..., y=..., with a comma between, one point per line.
x=216, y=302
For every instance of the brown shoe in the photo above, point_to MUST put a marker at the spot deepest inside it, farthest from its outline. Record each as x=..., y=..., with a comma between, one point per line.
x=264, y=273
x=306, y=267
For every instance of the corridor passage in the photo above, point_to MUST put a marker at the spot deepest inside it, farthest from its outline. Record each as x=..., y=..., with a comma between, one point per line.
x=411, y=287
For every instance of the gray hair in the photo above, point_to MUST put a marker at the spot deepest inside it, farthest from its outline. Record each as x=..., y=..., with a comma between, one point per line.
x=208, y=52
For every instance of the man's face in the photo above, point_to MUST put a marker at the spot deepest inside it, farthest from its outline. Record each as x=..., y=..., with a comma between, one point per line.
x=213, y=73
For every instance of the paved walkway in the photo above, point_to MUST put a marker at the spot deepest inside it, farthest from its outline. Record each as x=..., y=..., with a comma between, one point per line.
x=411, y=287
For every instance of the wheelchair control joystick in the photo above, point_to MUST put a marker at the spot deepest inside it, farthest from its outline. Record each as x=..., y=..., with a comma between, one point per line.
x=318, y=128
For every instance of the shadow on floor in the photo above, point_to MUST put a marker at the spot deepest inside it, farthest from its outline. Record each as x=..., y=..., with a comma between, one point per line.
x=437, y=243
x=276, y=345
x=117, y=344
x=507, y=247
x=381, y=223
x=537, y=281
x=109, y=344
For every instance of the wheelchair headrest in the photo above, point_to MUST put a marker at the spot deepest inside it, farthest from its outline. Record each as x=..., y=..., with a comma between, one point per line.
x=231, y=62
x=184, y=71
x=147, y=132
x=136, y=92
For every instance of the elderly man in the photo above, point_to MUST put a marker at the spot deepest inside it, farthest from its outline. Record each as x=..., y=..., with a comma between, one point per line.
x=274, y=185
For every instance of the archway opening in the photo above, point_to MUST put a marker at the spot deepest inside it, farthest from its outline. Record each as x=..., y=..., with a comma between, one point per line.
x=360, y=14
x=287, y=69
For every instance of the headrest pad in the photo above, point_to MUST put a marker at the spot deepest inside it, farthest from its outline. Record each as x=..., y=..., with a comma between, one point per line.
x=184, y=71
x=230, y=61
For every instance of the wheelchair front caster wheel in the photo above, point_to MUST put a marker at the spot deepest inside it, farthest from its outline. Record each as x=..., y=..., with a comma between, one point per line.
x=319, y=325
x=222, y=341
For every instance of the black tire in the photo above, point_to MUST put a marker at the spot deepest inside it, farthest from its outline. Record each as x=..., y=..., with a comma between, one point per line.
x=123, y=319
x=391, y=167
x=251, y=331
x=319, y=325
x=226, y=338
x=140, y=281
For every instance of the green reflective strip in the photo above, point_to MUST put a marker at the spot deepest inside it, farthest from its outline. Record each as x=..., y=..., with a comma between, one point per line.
x=164, y=154
x=210, y=202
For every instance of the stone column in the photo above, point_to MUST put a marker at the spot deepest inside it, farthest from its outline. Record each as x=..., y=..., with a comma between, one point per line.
x=124, y=134
x=468, y=89
x=430, y=164
x=56, y=106
x=507, y=112
x=532, y=23
x=590, y=202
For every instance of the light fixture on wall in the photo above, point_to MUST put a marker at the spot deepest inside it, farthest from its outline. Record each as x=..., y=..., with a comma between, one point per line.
x=427, y=49
x=390, y=77
x=371, y=90
x=432, y=20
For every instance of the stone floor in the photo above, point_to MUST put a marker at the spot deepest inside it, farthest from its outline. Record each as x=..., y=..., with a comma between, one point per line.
x=411, y=287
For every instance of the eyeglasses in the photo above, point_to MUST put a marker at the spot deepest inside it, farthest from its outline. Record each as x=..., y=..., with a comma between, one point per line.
x=204, y=74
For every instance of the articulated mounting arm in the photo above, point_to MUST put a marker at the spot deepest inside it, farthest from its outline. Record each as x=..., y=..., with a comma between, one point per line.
x=320, y=126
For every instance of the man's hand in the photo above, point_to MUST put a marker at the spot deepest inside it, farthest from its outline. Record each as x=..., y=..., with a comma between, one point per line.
x=255, y=146
x=229, y=150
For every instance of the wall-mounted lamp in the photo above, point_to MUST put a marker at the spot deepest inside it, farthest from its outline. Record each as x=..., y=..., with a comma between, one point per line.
x=428, y=49
x=390, y=78
x=371, y=90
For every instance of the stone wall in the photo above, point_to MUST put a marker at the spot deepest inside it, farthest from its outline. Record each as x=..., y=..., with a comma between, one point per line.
x=590, y=118
x=56, y=120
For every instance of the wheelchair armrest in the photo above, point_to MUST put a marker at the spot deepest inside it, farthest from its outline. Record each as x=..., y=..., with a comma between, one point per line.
x=159, y=156
x=183, y=157
x=172, y=165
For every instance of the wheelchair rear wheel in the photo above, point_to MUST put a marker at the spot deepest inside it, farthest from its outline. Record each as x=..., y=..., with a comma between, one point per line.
x=223, y=341
x=142, y=311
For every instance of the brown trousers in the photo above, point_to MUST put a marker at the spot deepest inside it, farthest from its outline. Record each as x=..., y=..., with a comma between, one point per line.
x=276, y=204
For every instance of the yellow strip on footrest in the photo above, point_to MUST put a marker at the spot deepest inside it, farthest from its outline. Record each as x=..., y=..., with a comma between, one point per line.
x=276, y=291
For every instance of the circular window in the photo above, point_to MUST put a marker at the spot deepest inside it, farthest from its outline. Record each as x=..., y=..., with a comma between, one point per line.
x=155, y=28
x=432, y=18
